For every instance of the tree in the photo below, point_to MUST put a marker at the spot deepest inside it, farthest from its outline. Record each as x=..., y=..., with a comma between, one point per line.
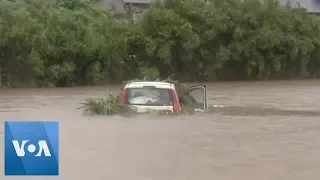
x=62, y=43
x=249, y=38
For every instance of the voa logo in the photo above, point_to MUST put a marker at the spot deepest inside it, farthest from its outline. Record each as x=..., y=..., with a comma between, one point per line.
x=31, y=148
x=40, y=148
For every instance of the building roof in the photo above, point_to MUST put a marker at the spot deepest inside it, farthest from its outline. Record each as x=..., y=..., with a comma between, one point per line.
x=137, y=1
x=118, y=6
x=312, y=6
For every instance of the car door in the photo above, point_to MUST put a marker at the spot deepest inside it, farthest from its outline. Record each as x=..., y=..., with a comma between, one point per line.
x=195, y=98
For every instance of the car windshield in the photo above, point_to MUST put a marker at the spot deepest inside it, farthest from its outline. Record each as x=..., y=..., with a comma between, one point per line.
x=149, y=96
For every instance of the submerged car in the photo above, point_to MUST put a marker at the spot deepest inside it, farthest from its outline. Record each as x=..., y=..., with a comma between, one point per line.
x=148, y=96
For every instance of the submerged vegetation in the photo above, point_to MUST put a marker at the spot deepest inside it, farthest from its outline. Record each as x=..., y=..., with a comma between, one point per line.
x=75, y=42
x=106, y=106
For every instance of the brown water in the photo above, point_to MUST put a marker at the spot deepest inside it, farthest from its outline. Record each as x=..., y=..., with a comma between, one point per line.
x=267, y=130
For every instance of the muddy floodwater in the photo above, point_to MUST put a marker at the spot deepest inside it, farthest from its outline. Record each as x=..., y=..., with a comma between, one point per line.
x=265, y=131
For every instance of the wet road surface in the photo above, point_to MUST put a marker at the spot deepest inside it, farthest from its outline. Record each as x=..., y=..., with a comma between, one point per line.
x=267, y=130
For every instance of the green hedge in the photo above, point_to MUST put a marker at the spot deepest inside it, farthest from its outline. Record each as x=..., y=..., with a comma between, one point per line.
x=74, y=42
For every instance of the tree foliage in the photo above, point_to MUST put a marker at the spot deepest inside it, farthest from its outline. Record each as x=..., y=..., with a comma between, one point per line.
x=74, y=42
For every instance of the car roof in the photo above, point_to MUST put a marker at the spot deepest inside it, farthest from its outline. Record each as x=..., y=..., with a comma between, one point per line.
x=157, y=84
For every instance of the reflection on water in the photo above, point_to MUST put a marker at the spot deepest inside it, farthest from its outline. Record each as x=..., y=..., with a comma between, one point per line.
x=262, y=145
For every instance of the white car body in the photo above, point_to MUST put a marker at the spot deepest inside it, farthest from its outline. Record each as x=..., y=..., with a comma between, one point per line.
x=147, y=96
x=143, y=99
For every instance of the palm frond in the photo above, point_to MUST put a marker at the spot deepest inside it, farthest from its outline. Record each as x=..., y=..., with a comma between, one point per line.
x=106, y=106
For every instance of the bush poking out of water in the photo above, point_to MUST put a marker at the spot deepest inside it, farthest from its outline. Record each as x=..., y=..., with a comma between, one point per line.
x=106, y=106
x=181, y=90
